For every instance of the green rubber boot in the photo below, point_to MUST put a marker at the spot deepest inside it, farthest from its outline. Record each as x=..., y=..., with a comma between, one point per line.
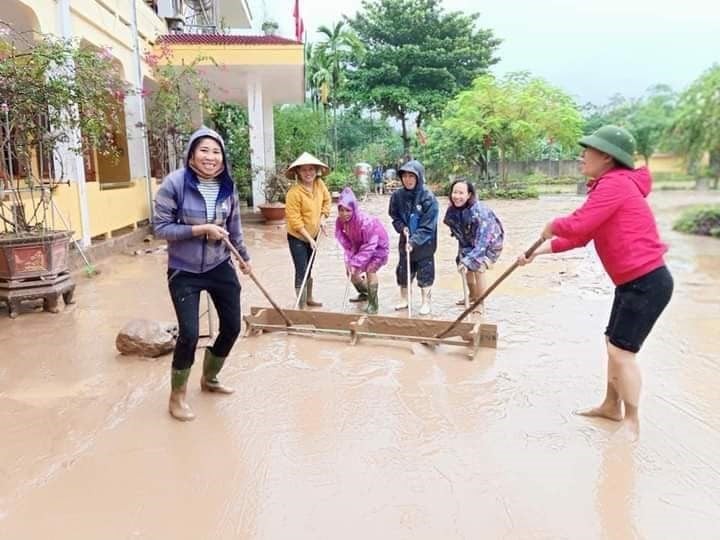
x=310, y=300
x=177, y=406
x=362, y=293
x=211, y=367
x=372, y=307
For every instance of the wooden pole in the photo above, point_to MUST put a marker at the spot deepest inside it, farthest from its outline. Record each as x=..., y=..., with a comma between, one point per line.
x=252, y=276
x=490, y=289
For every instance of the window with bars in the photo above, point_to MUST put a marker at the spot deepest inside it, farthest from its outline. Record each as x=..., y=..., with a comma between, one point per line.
x=21, y=158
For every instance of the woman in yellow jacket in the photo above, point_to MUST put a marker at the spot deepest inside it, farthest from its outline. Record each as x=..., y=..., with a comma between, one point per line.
x=307, y=206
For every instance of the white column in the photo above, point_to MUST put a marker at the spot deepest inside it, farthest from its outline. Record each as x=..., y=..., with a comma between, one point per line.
x=137, y=147
x=135, y=137
x=269, y=127
x=71, y=163
x=141, y=131
x=257, y=140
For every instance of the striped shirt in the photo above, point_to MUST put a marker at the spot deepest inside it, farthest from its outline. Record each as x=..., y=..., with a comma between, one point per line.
x=209, y=189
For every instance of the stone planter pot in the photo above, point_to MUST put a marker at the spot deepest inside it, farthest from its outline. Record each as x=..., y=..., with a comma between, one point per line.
x=273, y=213
x=34, y=255
x=35, y=266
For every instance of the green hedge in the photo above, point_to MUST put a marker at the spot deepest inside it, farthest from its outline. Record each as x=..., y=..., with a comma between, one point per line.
x=339, y=179
x=541, y=179
x=528, y=192
x=661, y=177
x=702, y=220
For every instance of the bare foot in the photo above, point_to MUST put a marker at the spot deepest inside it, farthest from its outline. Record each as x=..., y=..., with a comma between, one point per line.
x=610, y=411
x=630, y=429
x=631, y=425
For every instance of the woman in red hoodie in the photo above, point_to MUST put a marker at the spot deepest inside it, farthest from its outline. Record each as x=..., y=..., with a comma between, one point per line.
x=617, y=217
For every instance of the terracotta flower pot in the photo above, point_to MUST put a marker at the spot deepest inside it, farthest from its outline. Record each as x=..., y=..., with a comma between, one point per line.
x=273, y=213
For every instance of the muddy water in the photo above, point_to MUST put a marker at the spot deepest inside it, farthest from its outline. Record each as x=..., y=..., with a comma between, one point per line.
x=382, y=440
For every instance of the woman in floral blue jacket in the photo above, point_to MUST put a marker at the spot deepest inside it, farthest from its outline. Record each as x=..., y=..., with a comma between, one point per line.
x=479, y=234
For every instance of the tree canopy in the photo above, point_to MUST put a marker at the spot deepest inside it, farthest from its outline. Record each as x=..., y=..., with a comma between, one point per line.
x=417, y=58
x=647, y=118
x=696, y=126
x=511, y=116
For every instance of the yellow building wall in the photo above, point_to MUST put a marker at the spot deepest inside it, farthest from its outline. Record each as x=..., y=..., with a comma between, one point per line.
x=109, y=15
x=664, y=163
x=110, y=209
x=92, y=20
x=103, y=23
x=244, y=55
x=45, y=12
x=668, y=163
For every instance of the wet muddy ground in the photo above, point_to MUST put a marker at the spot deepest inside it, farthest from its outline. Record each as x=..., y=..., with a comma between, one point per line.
x=383, y=440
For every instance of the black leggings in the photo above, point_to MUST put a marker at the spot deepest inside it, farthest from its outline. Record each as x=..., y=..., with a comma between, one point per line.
x=300, y=251
x=223, y=286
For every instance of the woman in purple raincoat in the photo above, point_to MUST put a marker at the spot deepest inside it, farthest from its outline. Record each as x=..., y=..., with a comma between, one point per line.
x=365, y=242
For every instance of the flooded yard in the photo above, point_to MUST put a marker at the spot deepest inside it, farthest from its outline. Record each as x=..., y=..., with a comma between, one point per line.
x=323, y=440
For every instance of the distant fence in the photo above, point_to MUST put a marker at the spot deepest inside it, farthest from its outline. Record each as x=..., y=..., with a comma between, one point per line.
x=549, y=167
x=659, y=162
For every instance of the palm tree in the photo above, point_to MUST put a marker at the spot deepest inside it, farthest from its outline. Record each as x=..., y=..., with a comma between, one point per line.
x=318, y=78
x=318, y=81
x=340, y=45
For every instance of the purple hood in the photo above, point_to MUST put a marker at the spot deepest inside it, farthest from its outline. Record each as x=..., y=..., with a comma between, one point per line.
x=363, y=238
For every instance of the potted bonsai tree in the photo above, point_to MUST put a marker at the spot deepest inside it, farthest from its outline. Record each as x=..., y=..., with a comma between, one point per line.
x=275, y=188
x=269, y=27
x=50, y=91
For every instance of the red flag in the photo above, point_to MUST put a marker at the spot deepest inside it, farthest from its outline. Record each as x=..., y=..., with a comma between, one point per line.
x=299, y=26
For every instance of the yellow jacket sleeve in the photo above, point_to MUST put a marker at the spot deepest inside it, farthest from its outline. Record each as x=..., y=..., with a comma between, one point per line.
x=293, y=210
x=326, y=200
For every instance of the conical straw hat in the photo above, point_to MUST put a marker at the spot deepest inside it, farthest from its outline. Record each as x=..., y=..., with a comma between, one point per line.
x=306, y=159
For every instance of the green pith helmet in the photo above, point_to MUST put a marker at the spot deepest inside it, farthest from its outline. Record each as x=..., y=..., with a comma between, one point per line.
x=615, y=141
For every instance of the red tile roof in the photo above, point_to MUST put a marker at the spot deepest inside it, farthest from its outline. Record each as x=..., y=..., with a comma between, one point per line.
x=224, y=39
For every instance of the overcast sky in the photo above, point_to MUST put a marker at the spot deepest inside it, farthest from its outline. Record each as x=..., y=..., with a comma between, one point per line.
x=590, y=48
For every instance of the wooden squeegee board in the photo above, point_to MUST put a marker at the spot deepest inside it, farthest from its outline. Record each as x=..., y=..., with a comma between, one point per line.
x=372, y=326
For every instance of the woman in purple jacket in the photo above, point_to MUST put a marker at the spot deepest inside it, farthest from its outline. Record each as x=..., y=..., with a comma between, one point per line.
x=365, y=243
x=196, y=208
